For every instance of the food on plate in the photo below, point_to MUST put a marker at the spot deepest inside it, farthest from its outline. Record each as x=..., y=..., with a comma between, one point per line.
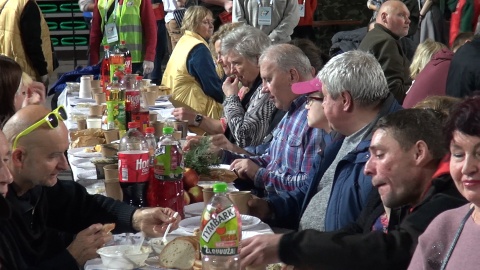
x=108, y=227
x=197, y=265
x=223, y=175
x=180, y=253
x=87, y=137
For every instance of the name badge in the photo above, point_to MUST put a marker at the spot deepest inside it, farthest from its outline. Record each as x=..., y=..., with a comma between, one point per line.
x=302, y=10
x=111, y=32
x=265, y=16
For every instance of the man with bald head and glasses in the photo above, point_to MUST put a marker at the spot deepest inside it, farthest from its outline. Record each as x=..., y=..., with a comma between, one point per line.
x=47, y=212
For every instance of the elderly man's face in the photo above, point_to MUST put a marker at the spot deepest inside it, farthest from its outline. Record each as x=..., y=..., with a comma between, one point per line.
x=277, y=83
x=44, y=160
x=397, y=20
x=5, y=175
x=394, y=170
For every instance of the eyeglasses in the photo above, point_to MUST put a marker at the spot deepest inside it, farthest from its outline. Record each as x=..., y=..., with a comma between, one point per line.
x=52, y=119
x=311, y=99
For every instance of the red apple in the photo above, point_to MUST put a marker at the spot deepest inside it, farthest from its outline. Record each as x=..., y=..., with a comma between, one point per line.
x=190, y=178
x=186, y=198
x=196, y=194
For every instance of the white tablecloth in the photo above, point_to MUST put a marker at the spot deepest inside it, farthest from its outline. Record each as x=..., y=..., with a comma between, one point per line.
x=152, y=262
x=70, y=101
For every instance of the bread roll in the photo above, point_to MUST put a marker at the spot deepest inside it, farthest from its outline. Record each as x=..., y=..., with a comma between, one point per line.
x=108, y=227
x=180, y=253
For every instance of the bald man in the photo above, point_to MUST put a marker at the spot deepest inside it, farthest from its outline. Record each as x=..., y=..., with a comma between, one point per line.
x=47, y=211
x=392, y=23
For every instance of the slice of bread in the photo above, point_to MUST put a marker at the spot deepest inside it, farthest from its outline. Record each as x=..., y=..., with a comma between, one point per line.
x=180, y=253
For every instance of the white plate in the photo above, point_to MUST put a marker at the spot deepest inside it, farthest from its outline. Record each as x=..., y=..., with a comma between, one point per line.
x=190, y=224
x=80, y=152
x=248, y=234
x=82, y=163
x=194, y=209
x=249, y=222
x=87, y=175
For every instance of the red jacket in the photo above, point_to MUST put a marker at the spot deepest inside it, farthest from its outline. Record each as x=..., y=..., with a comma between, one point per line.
x=310, y=7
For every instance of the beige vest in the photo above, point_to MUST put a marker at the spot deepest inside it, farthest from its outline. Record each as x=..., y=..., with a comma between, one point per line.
x=185, y=89
x=11, y=41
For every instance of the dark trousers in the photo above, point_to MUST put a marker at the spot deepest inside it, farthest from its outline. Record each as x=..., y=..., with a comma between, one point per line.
x=305, y=31
x=161, y=50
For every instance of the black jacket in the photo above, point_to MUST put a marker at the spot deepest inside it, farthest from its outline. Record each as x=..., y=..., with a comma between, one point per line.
x=44, y=220
x=358, y=247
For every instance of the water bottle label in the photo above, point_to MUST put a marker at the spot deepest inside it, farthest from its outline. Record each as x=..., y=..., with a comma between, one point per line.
x=168, y=160
x=133, y=166
x=220, y=232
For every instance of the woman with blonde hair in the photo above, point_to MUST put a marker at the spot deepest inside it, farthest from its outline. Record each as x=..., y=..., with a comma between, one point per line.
x=429, y=71
x=191, y=72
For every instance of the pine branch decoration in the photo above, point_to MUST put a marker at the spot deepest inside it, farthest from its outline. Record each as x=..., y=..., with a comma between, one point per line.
x=200, y=158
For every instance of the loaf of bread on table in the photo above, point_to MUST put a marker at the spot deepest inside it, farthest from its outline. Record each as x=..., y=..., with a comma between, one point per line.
x=180, y=253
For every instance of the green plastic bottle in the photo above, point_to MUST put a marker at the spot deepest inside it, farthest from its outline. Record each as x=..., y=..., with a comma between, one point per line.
x=221, y=227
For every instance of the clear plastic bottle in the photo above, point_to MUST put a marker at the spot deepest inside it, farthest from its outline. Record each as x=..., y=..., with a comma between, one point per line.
x=151, y=142
x=221, y=227
x=166, y=185
x=116, y=105
x=127, y=55
x=133, y=166
x=105, y=69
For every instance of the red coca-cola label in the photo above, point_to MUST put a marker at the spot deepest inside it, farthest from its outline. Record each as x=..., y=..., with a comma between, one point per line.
x=132, y=99
x=133, y=166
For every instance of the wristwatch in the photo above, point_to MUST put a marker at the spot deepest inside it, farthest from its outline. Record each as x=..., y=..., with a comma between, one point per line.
x=198, y=120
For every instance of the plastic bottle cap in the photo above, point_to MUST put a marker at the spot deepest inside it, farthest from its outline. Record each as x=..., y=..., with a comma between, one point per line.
x=106, y=47
x=122, y=42
x=139, y=78
x=220, y=187
x=149, y=130
x=168, y=130
x=133, y=125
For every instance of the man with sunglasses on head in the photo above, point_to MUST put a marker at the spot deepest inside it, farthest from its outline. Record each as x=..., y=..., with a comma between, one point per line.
x=56, y=224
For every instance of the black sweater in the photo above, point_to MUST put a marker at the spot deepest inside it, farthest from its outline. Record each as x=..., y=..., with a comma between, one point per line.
x=45, y=219
x=358, y=247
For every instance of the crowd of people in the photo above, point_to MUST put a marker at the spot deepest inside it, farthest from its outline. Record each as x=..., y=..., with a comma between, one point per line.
x=366, y=160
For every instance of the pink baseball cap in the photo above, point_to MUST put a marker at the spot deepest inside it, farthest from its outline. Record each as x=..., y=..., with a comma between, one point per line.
x=314, y=85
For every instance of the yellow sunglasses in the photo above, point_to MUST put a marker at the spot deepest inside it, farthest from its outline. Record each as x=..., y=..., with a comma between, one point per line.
x=51, y=119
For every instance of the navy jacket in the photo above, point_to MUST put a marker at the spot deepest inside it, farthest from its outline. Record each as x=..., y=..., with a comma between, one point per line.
x=350, y=187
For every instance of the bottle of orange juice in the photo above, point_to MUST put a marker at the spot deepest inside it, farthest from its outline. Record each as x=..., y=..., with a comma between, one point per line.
x=221, y=227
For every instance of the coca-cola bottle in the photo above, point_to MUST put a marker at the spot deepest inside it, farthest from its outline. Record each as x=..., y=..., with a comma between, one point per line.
x=166, y=186
x=105, y=69
x=132, y=104
x=133, y=166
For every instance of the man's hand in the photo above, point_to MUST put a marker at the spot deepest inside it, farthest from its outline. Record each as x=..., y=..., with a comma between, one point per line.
x=259, y=208
x=147, y=67
x=35, y=94
x=228, y=6
x=84, y=246
x=230, y=86
x=182, y=114
x=245, y=168
x=260, y=250
x=154, y=221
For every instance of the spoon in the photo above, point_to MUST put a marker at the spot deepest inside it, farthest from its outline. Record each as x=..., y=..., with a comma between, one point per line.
x=164, y=239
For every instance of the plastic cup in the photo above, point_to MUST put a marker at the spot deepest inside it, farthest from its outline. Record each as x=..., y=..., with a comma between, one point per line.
x=95, y=84
x=81, y=123
x=96, y=110
x=149, y=98
x=240, y=200
x=111, y=135
x=100, y=98
x=207, y=195
x=158, y=126
x=111, y=172
x=94, y=122
x=152, y=116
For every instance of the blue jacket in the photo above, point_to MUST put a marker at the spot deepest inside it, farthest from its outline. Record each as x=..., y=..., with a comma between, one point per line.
x=350, y=188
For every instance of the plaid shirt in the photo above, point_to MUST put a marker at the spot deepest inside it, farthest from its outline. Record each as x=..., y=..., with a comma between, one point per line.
x=287, y=161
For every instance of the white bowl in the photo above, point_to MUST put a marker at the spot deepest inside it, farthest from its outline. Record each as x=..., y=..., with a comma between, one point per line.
x=157, y=244
x=123, y=256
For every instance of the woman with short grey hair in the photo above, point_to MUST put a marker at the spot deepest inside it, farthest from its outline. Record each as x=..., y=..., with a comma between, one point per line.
x=248, y=111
